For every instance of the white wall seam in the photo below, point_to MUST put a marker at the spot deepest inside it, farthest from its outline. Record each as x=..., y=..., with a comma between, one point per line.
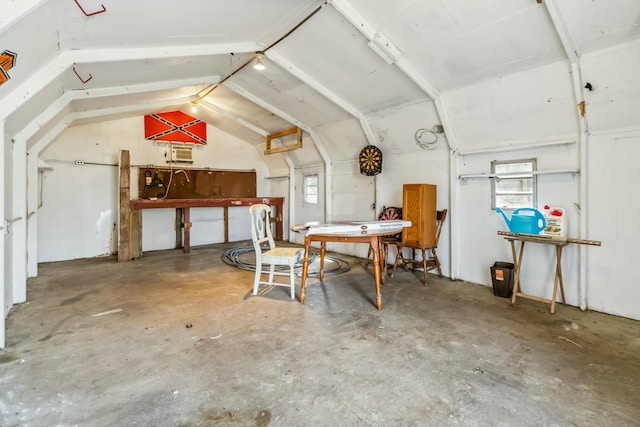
x=19, y=227
x=583, y=140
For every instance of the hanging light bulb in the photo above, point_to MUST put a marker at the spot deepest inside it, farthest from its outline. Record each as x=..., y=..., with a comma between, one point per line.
x=194, y=106
x=259, y=65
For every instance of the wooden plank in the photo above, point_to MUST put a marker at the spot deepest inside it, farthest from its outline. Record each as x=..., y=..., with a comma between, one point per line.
x=124, y=241
x=554, y=240
x=289, y=147
x=284, y=132
x=204, y=203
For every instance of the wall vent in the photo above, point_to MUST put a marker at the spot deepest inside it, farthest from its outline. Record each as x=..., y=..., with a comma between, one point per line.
x=181, y=155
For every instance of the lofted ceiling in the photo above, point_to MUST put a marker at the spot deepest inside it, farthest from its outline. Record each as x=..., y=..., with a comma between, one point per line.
x=139, y=57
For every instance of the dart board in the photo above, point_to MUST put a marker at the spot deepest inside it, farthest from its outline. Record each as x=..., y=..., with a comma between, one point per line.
x=390, y=213
x=370, y=160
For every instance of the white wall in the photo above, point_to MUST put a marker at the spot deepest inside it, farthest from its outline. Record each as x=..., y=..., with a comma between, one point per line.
x=477, y=223
x=6, y=253
x=406, y=163
x=612, y=184
x=538, y=106
x=79, y=211
x=515, y=112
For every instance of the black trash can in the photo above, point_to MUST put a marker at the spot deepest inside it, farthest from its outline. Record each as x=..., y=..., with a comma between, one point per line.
x=502, y=276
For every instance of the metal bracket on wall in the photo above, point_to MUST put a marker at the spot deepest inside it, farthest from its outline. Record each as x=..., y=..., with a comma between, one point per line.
x=81, y=79
x=104, y=9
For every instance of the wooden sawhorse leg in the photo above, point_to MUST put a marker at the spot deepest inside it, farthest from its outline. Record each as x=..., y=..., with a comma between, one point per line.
x=517, y=262
x=557, y=280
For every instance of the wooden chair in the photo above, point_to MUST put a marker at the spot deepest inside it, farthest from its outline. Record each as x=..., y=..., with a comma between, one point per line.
x=271, y=256
x=428, y=262
x=387, y=213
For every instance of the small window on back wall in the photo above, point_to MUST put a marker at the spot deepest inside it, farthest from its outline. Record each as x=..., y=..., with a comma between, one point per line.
x=311, y=189
x=515, y=184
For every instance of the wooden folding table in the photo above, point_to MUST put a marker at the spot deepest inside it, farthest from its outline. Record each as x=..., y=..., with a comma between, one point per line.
x=559, y=244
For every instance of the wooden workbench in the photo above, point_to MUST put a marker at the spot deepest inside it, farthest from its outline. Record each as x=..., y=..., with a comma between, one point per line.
x=183, y=216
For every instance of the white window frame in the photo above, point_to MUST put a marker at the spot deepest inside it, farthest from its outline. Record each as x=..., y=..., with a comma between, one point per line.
x=515, y=175
x=307, y=195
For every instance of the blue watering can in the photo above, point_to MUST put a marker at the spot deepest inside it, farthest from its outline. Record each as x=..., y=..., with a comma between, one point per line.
x=522, y=222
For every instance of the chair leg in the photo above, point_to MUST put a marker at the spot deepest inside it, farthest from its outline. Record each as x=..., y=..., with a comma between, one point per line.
x=395, y=264
x=437, y=261
x=292, y=278
x=256, y=280
x=385, y=254
x=272, y=269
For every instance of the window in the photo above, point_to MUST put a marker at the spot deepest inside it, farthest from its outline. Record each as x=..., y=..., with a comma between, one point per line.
x=515, y=184
x=311, y=189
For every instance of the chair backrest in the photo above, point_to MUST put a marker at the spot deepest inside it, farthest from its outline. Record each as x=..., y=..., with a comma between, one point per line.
x=261, y=226
x=440, y=217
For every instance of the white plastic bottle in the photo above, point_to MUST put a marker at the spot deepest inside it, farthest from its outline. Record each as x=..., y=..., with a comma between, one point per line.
x=557, y=223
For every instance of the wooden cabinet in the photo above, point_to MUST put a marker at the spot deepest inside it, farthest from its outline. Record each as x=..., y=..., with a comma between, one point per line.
x=419, y=207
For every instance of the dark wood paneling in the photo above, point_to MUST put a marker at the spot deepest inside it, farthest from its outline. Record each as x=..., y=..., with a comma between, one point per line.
x=195, y=183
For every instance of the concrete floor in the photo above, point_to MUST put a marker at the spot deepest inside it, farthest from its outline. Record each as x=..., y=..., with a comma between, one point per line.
x=177, y=340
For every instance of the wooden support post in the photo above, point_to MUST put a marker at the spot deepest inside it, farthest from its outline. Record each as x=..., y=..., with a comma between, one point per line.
x=186, y=239
x=136, y=234
x=178, y=227
x=124, y=241
x=226, y=224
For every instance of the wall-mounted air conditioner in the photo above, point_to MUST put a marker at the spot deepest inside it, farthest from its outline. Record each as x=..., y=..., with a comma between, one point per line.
x=181, y=155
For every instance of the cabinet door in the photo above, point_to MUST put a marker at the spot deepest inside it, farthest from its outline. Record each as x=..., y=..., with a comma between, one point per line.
x=419, y=207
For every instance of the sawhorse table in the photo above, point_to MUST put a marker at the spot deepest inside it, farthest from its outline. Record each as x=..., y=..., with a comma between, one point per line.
x=559, y=244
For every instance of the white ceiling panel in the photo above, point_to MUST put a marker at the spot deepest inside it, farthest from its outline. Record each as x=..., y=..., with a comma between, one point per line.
x=144, y=70
x=33, y=107
x=229, y=101
x=168, y=23
x=288, y=93
x=454, y=43
x=97, y=101
x=147, y=56
x=600, y=23
x=220, y=121
x=31, y=54
x=334, y=53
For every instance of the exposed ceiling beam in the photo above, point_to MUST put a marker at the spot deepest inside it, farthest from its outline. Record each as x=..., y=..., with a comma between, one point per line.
x=67, y=59
x=240, y=121
x=370, y=32
x=317, y=86
x=67, y=98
